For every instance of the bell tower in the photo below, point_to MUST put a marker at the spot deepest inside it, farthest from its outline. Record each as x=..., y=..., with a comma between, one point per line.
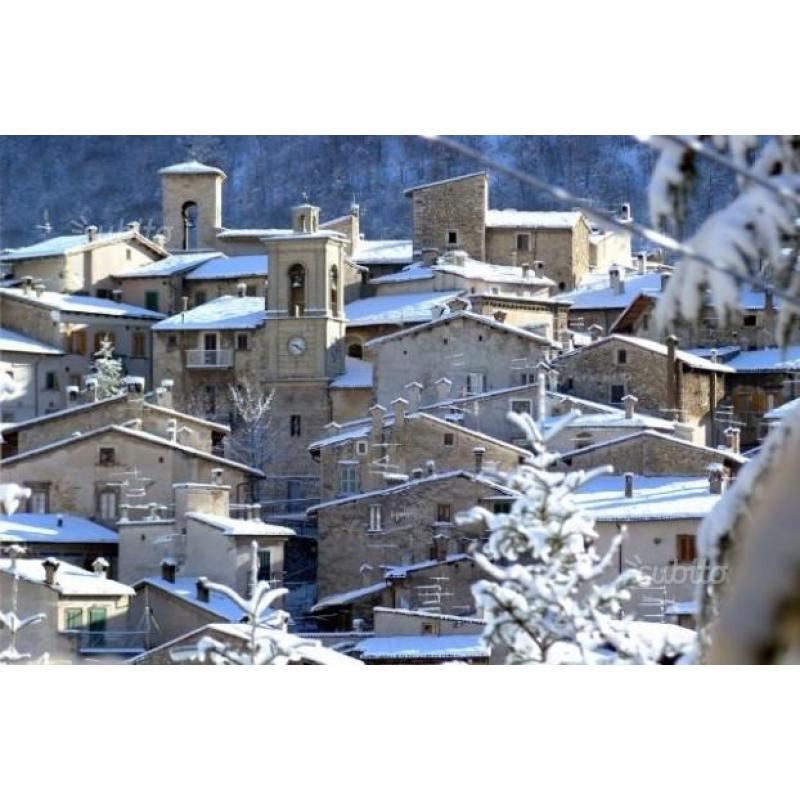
x=191, y=202
x=305, y=300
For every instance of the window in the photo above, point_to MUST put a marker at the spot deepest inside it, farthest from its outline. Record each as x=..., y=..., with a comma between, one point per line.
x=297, y=290
x=375, y=519
x=189, y=217
x=527, y=378
x=501, y=506
x=294, y=425
x=103, y=294
x=334, y=289
x=51, y=381
x=523, y=242
x=242, y=342
x=617, y=393
x=348, y=479
x=39, y=501
x=151, y=301
x=139, y=345
x=475, y=382
x=750, y=320
x=264, y=565
x=452, y=237
x=684, y=548
x=522, y=406
x=107, y=457
x=199, y=297
x=622, y=356
x=172, y=341
x=583, y=439
x=449, y=439
x=73, y=619
x=97, y=625
x=444, y=512
x=362, y=447
x=77, y=342
x=107, y=505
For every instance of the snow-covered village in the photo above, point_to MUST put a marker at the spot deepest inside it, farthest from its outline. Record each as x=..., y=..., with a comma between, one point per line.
x=563, y=433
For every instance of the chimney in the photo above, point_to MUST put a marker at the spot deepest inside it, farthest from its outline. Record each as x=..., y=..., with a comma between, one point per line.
x=376, y=414
x=625, y=212
x=116, y=295
x=664, y=280
x=133, y=226
x=430, y=467
x=672, y=377
x=716, y=478
x=241, y=290
x=538, y=268
x=417, y=473
x=216, y=476
x=732, y=439
x=769, y=315
x=628, y=484
x=59, y=520
x=50, y=568
x=443, y=386
x=527, y=269
x=641, y=262
x=430, y=255
x=202, y=589
x=160, y=240
x=499, y=316
x=100, y=567
x=566, y=341
x=414, y=391
x=713, y=356
x=91, y=233
x=630, y=405
x=27, y=282
x=399, y=408
x=479, y=453
x=617, y=284
x=73, y=395
x=595, y=332
x=168, y=570
x=38, y=287
x=184, y=304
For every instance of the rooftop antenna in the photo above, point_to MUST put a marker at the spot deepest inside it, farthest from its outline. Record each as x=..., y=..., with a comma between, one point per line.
x=45, y=227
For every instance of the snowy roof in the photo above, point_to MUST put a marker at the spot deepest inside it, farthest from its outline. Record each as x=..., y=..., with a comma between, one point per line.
x=345, y=598
x=61, y=245
x=481, y=270
x=413, y=272
x=412, y=484
x=614, y=419
x=357, y=375
x=222, y=313
x=193, y=167
x=419, y=612
x=468, y=315
x=783, y=410
x=136, y=434
x=233, y=267
x=442, y=181
x=768, y=359
x=599, y=294
x=69, y=579
x=409, y=648
x=81, y=304
x=252, y=233
x=240, y=527
x=172, y=265
x=511, y=218
x=395, y=309
x=13, y=342
x=725, y=352
x=185, y=588
x=384, y=251
x=656, y=436
x=660, y=497
x=656, y=347
x=36, y=528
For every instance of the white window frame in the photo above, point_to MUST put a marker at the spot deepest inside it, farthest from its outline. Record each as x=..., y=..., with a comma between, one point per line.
x=362, y=447
x=471, y=378
x=528, y=402
x=375, y=518
x=349, y=480
x=115, y=500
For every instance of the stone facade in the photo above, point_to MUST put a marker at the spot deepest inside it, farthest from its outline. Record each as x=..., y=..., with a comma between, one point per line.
x=200, y=189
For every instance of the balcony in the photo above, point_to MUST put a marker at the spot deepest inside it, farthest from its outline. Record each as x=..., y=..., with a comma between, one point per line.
x=210, y=359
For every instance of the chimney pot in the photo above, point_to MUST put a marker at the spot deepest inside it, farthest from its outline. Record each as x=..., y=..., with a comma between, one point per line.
x=716, y=478
x=168, y=570
x=376, y=414
x=50, y=568
x=479, y=452
x=91, y=233
x=595, y=332
x=160, y=240
x=630, y=405
x=134, y=226
x=241, y=289
x=430, y=467
x=443, y=386
x=399, y=408
x=216, y=476
x=538, y=268
x=641, y=262
x=417, y=473
x=100, y=567
x=414, y=390
x=184, y=304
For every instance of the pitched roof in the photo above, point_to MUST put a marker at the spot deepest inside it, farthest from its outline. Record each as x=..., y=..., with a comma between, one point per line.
x=193, y=167
x=783, y=410
x=174, y=264
x=767, y=359
x=407, y=192
x=470, y=316
x=221, y=313
x=412, y=648
x=14, y=342
x=37, y=528
x=80, y=304
x=240, y=527
x=384, y=251
x=395, y=309
x=598, y=293
x=63, y=245
x=413, y=272
x=70, y=580
x=693, y=361
x=231, y=267
x=185, y=588
x=135, y=434
x=511, y=218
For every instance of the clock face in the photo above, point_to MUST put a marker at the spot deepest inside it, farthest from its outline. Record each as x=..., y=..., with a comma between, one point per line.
x=297, y=345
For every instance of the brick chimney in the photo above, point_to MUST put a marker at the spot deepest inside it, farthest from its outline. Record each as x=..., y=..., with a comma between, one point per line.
x=50, y=568
x=443, y=387
x=376, y=414
x=168, y=570
x=628, y=484
x=630, y=405
x=414, y=392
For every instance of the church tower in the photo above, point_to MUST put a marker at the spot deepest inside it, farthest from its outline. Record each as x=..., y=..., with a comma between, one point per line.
x=305, y=300
x=191, y=202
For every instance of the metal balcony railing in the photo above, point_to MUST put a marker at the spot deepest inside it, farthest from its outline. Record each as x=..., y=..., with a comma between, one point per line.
x=110, y=642
x=206, y=359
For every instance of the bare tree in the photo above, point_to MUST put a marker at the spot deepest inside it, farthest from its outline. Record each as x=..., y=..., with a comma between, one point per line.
x=252, y=405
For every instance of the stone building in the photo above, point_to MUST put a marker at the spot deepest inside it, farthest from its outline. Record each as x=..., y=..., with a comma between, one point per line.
x=408, y=523
x=77, y=325
x=83, y=263
x=475, y=353
x=365, y=455
x=93, y=474
x=667, y=381
x=455, y=214
x=85, y=612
